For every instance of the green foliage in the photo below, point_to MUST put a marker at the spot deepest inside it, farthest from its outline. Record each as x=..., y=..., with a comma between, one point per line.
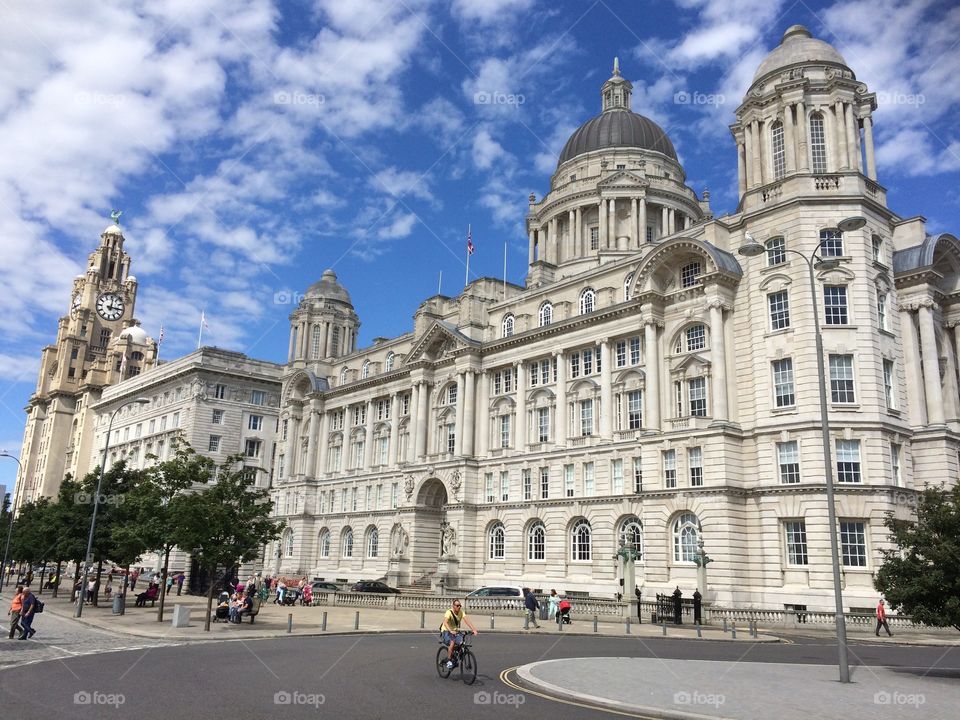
x=34, y=534
x=922, y=576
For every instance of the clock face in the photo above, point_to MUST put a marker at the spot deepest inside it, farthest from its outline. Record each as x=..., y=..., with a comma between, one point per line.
x=110, y=306
x=76, y=301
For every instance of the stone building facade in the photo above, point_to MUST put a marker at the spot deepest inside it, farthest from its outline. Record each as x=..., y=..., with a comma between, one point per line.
x=649, y=387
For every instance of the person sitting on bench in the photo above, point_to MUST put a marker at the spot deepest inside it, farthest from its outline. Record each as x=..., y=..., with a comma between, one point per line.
x=244, y=607
x=150, y=594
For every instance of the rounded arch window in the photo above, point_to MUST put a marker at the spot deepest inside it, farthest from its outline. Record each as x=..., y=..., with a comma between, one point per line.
x=580, y=540
x=388, y=366
x=588, y=301
x=546, y=314
x=348, y=542
x=315, y=343
x=288, y=543
x=626, y=286
x=365, y=369
x=537, y=542
x=508, y=325
x=373, y=542
x=497, y=537
x=691, y=339
x=325, y=543
x=343, y=376
x=631, y=535
x=777, y=152
x=686, y=533
x=690, y=273
x=818, y=144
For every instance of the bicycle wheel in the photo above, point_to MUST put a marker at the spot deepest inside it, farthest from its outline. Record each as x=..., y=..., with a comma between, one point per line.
x=441, y=664
x=468, y=667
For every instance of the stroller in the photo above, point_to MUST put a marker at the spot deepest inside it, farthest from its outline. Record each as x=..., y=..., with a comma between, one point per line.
x=222, y=612
x=290, y=596
x=563, y=612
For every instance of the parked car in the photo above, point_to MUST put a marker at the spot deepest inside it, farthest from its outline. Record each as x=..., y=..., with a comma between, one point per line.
x=373, y=586
x=496, y=591
x=321, y=586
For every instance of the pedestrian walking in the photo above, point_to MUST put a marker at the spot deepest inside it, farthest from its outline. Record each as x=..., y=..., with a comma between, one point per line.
x=133, y=580
x=91, y=590
x=169, y=583
x=531, y=604
x=27, y=612
x=882, y=619
x=16, y=605
x=553, y=604
x=180, y=578
x=678, y=606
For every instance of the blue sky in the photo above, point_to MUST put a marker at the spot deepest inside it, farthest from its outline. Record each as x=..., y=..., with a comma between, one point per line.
x=252, y=145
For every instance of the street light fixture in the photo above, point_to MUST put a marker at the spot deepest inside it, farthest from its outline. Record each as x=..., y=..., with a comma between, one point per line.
x=752, y=248
x=6, y=548
x=96, y=502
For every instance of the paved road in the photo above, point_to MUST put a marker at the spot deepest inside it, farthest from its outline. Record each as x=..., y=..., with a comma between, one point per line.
x=363, y=676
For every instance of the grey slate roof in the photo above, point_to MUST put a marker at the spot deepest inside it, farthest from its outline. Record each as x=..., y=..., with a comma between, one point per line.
x=617, y=128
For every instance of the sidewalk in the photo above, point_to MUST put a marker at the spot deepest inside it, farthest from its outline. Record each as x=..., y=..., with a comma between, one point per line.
x=690, y=689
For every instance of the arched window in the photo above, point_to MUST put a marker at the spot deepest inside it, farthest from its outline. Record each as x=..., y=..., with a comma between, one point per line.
x=388, y=366
x=497, y=542
x=626, y=286
x=537, y=542
x=343, y=376
x=692, y=339
x=777, y=151
x=334, y=349
x=631, y=534
x=315, y=343
x=776, y=251
x=508, y=323
x=690, y=274
x=365, y=369
x=546, y=314
x=324, y=543
x=373, y=541
x=452, y=394
x=580, y=540
x=288, y=543
x=685, y=536
x=588, y=301
x=818, y=144
x=347, y=543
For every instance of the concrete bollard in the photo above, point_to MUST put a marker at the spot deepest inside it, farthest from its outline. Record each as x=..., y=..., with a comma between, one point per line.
x=663, y=627
x=560, y=625
x=733, y=630
x=724, y=624
x=699, y=633
x=323, y=625
x=594, y=623
x=491, y=621
x=526, y=622
x=356, y=621
x=290, y=622
x=628, y=625
x=423, y=618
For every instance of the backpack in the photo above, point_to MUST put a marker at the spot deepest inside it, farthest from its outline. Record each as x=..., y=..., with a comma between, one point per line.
x=37, y=606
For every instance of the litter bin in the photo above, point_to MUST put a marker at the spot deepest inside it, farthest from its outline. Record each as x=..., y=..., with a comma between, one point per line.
x=544, y=610
x=117, y=604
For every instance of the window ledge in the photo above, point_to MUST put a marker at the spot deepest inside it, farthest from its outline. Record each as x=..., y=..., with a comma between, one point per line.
x=845, y=406
x=788, y=410
x=782, y=331
x=848, y=326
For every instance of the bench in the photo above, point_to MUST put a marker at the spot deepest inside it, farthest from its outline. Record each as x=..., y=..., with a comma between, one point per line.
x=151, y=600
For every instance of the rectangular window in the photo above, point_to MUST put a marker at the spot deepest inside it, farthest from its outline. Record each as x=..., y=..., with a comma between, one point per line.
x=251, y=448
x=637, y=475
x=796, y=531
x=621, y=353
x=586, y=418
x=379, y=497
x=360, y=415
x=881, y=311
x=220, y=392
x=394, y=495
x=877, y=246
x=635, y=350
x=695, y=462
x=788, y=460
x=451, y=438
x=588, y=362
x=568, y=480
x=818, y=146
x=358, y=450
x=504, y=486
x=575, y=365
x=594, y=238
x=404, y=405
x=835, y=304
x=634, y=409
x=488, y=487
x=343, y=500
x=841, y=379
x=214, y=445
x=698, y=397
x=138, y=431
x=175, y=421
x=258, y=397
x=336, y=453
x=616, y=476
x=670, y=468
x=504, y=431
x=888, y=384
x=848, y=461
x=353, y=499
x=543, y=424
x=895, y=450
x=383, y=409
x=783, y=389
x=831, y=243
x=218, y=417
x=527, y=478
x=777, y=151
x=152, y=427
x=383, y=446
x=779, y=303
x=368, y=498
x=255, y=422
x=589, y=485
x=776, y=251
x=696, y=337
x=336, y=420
x=853, y=543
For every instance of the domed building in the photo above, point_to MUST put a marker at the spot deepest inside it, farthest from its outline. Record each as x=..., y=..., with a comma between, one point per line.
x=651, y=391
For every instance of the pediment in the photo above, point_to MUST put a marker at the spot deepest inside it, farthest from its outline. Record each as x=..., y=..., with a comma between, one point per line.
x=693, y=364
x=440, y=340
x=624, y=179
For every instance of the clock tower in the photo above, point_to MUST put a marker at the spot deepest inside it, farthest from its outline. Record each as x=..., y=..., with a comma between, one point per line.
x=99, y=343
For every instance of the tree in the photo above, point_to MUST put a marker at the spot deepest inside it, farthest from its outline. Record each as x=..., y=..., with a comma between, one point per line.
x=921, y=576
x=225, y=523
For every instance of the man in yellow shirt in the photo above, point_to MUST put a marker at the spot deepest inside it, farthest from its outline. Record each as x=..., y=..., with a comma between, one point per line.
x=450, y=628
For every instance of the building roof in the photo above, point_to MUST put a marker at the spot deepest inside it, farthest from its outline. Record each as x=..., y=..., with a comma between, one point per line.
x=798, y=46
x=918, y=256
x=617, y=128
x=328, y=288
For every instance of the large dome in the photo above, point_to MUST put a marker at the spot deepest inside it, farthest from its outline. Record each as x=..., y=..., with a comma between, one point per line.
x=798, y=46
x=328, y=288
x=617, y=128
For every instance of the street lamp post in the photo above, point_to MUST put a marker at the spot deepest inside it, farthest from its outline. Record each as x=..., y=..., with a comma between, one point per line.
x=96, y=503
x=6, y=547
x=753, y=248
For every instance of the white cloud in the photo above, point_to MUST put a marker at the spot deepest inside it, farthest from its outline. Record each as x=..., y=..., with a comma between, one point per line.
x=486, y=150
x=400, y=227
x=402, y=183
x=489, y=11
x=19, y=368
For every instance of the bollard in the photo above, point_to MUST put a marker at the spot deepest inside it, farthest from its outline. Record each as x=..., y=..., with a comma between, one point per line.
x=290, y=622
x=491, y=621
x=699, y=634
x=356, y=621
x=733, y=629
x=724, y=624
x=663, y=626
x=594, y=623
x=628, y=624
x=755, y=631
x=323, y=626
x=526, y=621
x=423, y=618
x=560, y=625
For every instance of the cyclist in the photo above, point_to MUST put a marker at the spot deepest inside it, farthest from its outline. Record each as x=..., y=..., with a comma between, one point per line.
x=450, y=629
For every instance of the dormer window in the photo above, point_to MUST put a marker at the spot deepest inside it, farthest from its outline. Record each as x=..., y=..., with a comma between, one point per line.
x=690, y=274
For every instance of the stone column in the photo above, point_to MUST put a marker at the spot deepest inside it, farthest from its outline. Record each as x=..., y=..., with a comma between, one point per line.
x=368, y=437
x=394, y=449
x=602, y=219
x=853, y=157
x=741, y=169
x=521, y=431
x=293, y=433
x=612, y=225
x=328, y=341
x=293, y=336
x=755, y=173
x=578, y=234
x=718, y=357
x=422, y=409
x=916, y=406
x=868, y=143
x=313, y=429
x=748, y=157
x=843, y=160
x=322, y=441
x=651, y=361
x=461, y=406
x=763, y=151
x=642, y=221
x=570, y=247
x=931, y=365
x=671, y=224
x=789, y=147
x=663, y=221
x=635, y=226
x=803, y=163
x=484, y=411
x=606, y=391
x=469, y=413
x=560, y=412
x=531, y=244
x=552, y=242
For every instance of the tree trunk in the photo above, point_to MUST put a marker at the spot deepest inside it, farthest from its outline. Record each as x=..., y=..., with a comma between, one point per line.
x=163, y=583
x=43, y=571
x=206, y=622
x=123, y=592
x=56, y=585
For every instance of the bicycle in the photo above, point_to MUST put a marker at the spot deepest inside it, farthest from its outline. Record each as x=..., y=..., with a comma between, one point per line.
x=463, y=658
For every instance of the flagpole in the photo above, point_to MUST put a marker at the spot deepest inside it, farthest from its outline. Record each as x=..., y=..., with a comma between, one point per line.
x=466, y=276
x=200, y=336
x=439, y=282
x=504, y=270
